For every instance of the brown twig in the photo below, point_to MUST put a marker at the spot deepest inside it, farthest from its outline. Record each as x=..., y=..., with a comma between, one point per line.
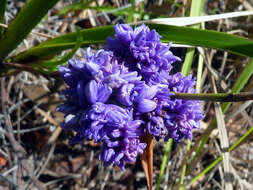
x=21, y=67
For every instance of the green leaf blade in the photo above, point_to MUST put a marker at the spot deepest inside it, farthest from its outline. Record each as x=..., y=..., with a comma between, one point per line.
x=175, y=34
x=205, y=38
x=52, y=46
x=23, y=24
x=240, y=82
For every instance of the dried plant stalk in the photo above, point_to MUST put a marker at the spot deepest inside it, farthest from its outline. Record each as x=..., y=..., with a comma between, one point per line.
x=147, y=159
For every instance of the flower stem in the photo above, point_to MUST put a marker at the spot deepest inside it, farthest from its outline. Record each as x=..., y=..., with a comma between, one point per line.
x=219, y=97
x=164, y=162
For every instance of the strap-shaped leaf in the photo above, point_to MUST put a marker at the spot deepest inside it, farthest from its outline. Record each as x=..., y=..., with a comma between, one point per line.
x=47, y=67
x=52, y=46
x=175, y=34
x=205, y=38
x=26, y=20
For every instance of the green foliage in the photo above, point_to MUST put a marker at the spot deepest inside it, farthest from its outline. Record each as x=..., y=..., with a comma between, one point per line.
x=176, y=34
x=240, y=82
x=47, y=67
x=53, y=46
x=23, y=24
x=166, y=155
x=238, y=86
x=196, y=10
x=127, y=11
x=205, y=38
x=240, y=141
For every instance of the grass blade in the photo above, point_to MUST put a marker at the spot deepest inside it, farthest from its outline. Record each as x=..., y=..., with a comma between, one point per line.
x=205, y=38
x=196, y=10
x=166, y=155
x=74, y=7
x=222, y=135
x=186, y=68
x=238, y=86
x=176, y=34
x=215, y=97
x=197, y=19
x=200, y=69
x=23, y=24
x=67, y=41
x=47, y=67
x=214, y=163
x=224, y=141
x=241, y=82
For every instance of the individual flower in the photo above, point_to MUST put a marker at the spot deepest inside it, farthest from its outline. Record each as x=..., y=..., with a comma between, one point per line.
x=142, y=49
x=156, y=127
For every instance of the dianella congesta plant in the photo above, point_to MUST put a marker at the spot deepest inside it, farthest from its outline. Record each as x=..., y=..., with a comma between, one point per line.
x=124, y=95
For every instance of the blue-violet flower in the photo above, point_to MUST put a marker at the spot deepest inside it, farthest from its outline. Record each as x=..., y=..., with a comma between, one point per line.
x=142, y=49
x=115, y=96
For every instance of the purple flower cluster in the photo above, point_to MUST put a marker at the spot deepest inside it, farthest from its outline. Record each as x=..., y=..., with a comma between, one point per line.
x=142, y=49
x=174, y=118
x=117, y=95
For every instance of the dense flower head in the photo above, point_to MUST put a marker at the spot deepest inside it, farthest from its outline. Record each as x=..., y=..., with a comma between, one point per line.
x=115, y=96
x=142, y=49
x=91, y=110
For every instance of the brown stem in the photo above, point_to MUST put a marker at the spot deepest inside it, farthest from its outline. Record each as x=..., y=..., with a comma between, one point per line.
x=147, y=159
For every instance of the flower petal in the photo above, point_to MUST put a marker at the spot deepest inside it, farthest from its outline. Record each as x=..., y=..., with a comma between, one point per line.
x=145, y=105
x=81, y=93
x=92, y=91
x=124, y=95
x=104, y=93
